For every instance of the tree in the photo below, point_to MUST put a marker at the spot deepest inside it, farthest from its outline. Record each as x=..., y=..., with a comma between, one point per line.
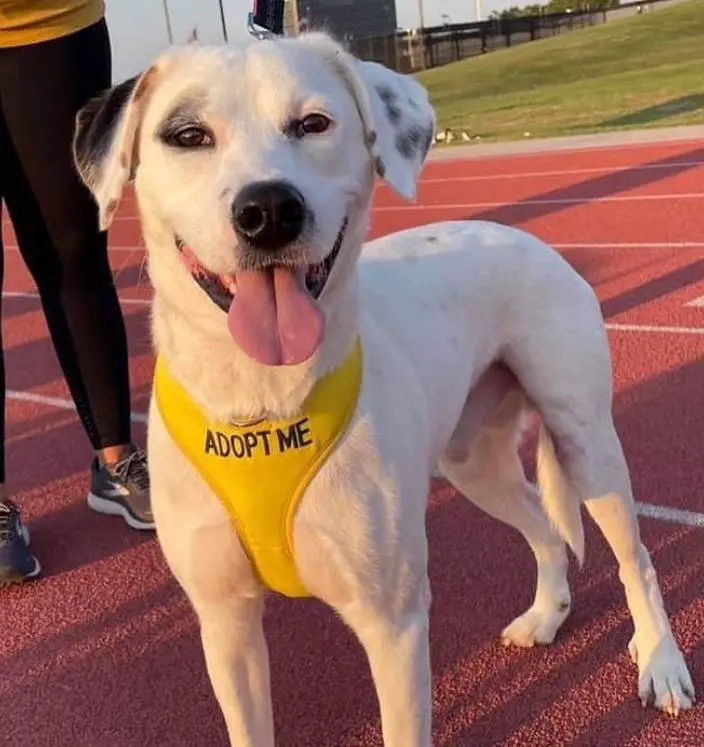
x=553, y=6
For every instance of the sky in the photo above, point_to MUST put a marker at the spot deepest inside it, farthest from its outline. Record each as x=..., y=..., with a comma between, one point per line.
x=138, y=27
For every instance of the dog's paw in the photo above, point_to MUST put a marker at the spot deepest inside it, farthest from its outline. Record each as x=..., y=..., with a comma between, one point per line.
x=537, y=626
x=663, y=680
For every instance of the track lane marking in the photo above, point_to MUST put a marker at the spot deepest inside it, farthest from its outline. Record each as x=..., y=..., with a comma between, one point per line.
x=648, y=510
x=611, y=326
x=610, y=170
x=58, y=403
x=554, y=244
x=542, y=201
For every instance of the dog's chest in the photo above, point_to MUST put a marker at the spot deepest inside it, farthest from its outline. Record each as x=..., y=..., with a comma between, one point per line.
x=259, y=471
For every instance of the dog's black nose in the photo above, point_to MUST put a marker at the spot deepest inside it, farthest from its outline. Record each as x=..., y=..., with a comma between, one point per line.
x=269, y=215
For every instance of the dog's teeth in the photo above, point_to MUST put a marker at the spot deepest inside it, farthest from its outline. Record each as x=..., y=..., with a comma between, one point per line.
x=229, y=282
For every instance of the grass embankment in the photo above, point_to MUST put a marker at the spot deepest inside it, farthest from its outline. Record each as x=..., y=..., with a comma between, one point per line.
x=641, y=71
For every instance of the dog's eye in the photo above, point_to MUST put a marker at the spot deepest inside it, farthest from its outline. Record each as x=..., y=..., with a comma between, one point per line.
x=190, y=136
x=312, y=124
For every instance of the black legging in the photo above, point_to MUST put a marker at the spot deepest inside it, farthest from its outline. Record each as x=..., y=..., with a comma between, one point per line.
x=42, y=86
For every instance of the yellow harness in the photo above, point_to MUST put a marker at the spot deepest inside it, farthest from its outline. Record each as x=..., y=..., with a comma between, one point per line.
x=260, y=471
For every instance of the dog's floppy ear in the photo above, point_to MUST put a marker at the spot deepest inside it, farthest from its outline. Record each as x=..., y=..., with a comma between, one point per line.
x=398, y=119
x=105, y=141
x=399, y=123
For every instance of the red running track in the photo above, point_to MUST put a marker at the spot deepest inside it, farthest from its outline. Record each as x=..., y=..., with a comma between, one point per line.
x=104, y=650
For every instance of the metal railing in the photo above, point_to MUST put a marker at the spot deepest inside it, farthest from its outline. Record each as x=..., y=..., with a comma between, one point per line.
x=415, y=50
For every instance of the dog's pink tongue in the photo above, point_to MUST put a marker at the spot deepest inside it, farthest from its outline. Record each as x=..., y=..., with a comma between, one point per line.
x=273, y=318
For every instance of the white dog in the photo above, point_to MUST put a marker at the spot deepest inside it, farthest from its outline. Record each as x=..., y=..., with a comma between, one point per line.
x=304, y=395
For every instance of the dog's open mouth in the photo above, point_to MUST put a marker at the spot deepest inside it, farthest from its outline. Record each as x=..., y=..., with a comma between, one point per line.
x=272, y=312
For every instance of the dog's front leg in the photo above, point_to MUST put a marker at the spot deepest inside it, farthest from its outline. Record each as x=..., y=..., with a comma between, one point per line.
x=398, y=652
x=238, y=666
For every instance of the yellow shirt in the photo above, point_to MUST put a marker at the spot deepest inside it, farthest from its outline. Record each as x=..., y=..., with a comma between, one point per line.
x=260, y=471
x=32, y=21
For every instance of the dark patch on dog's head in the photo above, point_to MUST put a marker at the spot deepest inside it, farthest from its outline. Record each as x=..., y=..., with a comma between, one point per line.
x=390, y=100
x=95, y=127
x=106, y=140
x=427, y=142
x=186, y=111
x=414, y=140
x=390, y=105
x=386, y=94
x=97, y=123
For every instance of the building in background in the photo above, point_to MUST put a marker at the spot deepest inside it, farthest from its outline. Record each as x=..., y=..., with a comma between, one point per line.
x=290, y=17
x=346, y=19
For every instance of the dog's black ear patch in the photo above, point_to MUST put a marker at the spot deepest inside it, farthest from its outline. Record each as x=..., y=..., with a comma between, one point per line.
x=96, y=126
x=390, y=99
x=403, y=121
x=414, y=140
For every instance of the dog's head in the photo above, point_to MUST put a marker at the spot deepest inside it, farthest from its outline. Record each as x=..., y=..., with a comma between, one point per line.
x=255, y=167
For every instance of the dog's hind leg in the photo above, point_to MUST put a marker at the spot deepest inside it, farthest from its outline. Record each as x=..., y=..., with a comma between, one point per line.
x=592, y=460
x=565, y=369
x=482, y=462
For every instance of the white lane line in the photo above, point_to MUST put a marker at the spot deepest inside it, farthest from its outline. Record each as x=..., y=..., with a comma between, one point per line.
x=542, y=201
x=650, y=510
x=35, y=296
x=674, y=515
x=131, y=249
x=631, y=245
x=615, y=327
x=59, y=403
x=568, y=147
x=607, y=170
x=519, y=202
x=657, y=329
x=556, y=245
x=610, y=170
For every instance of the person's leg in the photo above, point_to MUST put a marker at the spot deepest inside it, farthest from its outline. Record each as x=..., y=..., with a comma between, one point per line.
x=3, y=179
x=16, y=560
x=55, y=218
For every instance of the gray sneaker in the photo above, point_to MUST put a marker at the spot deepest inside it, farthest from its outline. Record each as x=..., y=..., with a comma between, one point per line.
x=122, y=489
x=16, y=561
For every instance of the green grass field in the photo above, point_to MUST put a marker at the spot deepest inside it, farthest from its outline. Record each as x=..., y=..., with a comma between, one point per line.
x=642, y=71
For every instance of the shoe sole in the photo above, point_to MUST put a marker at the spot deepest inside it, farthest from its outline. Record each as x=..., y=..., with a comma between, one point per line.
x=22, y=577
x=112, y=508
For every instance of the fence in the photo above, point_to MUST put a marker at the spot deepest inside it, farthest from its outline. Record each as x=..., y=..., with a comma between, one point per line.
x=416, y=50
